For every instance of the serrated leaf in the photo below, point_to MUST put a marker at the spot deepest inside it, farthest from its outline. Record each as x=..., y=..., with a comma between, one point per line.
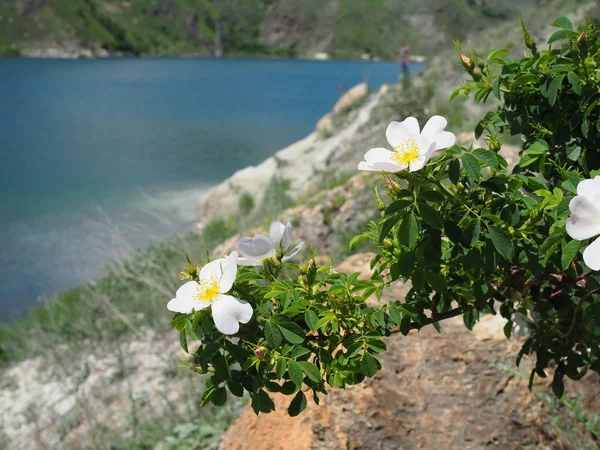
x=429, y=215
x=311, y=371
x=273, y=335
x=558, y=386
x=471, y=166
x=395, y=315
x=297, y=405
x=564, y=23
x=387, y=227
x=591, y=318
x=311, y=319
x=368, y=365
x=454, y=171
x=501, y=241
x=472, y=232
x=487, y=156
x=557, y=36
x=261, y=402
x=575, y=82
x=219, y=396
x=295, y=373
x=183, y=341
x=409, y=231
x=299, y=351
x=280, y=368
x=553, y=89
x=291, y=332
x=357, y=240
x=569, y=251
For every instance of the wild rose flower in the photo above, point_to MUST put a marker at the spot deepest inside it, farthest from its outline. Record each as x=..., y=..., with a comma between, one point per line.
x=255, y=250
x=411, y=146
x=584, y=222
x=215, y=279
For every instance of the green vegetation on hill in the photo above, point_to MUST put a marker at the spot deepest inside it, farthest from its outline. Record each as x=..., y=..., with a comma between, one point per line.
x=342, y=28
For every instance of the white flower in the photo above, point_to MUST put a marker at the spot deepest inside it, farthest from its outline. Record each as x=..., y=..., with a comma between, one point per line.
x=584, y=222
x=520, y=324
x=215, y=279
x=411, y=147
x=255, y=250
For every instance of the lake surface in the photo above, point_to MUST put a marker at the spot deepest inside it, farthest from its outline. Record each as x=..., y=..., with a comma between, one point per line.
x=99, y=157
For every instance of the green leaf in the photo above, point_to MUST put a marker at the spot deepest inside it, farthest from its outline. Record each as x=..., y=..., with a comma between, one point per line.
x=261, y=402
x=554, y=88
x=273, y=335
x=501, y=242
x=591, y=318
x=280, y=368
x=299, y=351
x=429, y=215
x=557, y=36
x=297, y=405
x=311, y=371
x=311, y=319
x=395, y=315
x=387, y=227
x=357, y=240
x=183, y=341
x=397, y=206
x=409, y=231
x=472, y=232
x=235, y=388
x=291, y=332
x=487, y=156
x=454, y=171
x=569, y=251
x=295, y=373
x=496, y=88
x=376, y=345
x=575, y=82
x=368, y=365
x=219, y=397
x=471, y=166
x=564, y=23
x=558, y=386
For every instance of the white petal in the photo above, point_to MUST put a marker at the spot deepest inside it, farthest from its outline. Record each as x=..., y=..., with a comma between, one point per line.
x=180, y=305
x=434, y=132
x=591, y=190
x=228, y=312
x=212, y=269
x=520, y=324
x=381, y=167
x=293, y=252
x=243, y=261
x=378, y=154
x=398, y=132
x=258, y=247
x=591, y=255
x=418, y=163
x=276, y=231
x=287, y=236
x=584, y=222
x=187, y=290
x=229, y=272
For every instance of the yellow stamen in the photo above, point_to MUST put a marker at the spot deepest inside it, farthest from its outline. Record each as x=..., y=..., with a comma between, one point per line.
x=207, y=290
x=406, y=152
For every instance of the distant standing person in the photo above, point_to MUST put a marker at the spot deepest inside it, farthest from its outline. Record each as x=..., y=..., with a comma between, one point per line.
x=404, y=57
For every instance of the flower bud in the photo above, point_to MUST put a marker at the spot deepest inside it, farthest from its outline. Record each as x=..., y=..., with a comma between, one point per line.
x=380, y=204
x=260, y=352
x=582, y=38
x=467, y=62
x=581, y=282
x=476, y=73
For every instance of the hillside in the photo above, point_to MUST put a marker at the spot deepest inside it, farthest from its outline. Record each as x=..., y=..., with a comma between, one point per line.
x=295, y=28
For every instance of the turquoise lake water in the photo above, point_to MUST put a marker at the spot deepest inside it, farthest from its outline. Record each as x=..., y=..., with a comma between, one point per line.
x=103, y=156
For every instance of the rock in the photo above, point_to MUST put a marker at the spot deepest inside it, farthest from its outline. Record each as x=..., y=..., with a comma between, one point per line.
x=434, y=391
x=324, y=126
x=350, y=98
x=302, y=164
x=321, y=56
x=383, y=89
